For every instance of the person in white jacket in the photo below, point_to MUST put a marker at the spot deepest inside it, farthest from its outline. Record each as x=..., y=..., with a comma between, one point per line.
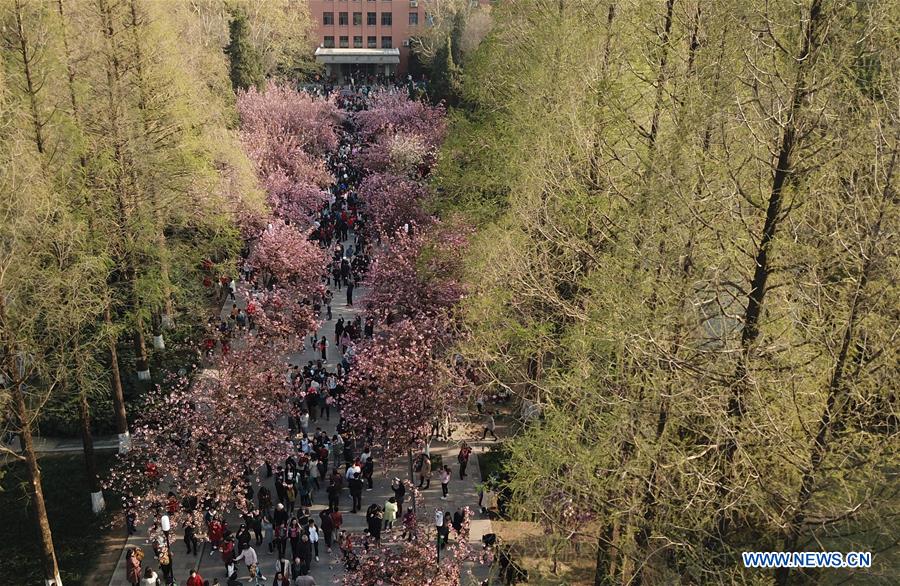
x=150, y=578
x=248, y=554
x=314, y=538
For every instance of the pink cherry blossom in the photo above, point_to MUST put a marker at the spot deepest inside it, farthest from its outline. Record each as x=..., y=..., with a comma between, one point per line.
x=414, y=562
x=397, y=114
x=418, y=275
x=392, y=201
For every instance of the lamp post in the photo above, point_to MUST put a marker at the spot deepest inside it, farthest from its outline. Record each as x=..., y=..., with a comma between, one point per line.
x=411, y=478
x=439, y=523
x=166, y=526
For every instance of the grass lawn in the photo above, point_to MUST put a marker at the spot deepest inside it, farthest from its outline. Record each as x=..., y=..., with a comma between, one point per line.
x=77, y=532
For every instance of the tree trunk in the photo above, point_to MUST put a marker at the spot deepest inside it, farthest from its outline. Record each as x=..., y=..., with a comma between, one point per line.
x=27, y=53
x=168, y=312
x=48, y=555
x=142, y=363
x=118, y=396
x=830, y=413
x=603, y=562
x=660, y=81
x=782, y=173
x=90, y=459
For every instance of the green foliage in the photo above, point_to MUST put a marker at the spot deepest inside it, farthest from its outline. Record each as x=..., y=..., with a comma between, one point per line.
x=246, y=66
x=445, y=73
x=621, y=201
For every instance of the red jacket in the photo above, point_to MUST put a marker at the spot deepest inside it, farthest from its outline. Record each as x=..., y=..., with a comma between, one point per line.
x=227, y=550
x=195, y=580
x=215, y=531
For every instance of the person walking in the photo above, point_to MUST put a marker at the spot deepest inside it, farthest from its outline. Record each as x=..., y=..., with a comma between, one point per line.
x=350, y=286
x=327, y=528
x=190, y=536
x=165, y=566
x=458, y=519
x=268, y=532
x=150, y=578
x=280, y=539
x=425, y=471
x=194, y=579
x=306, y=552
x=294, y=537
x=264, y=497
x=228, y=552
x=490, y=426
x=463, y=458
x=368, y=469
x=377, y=519
x=444, y=530
x=251, y=560
x=334, y=493
x=399, y=494
x=445, y=481
x=242, y=536
x=282, y=568
x=314, y=537
x=356, y=488
x=390, y=513
x=215, y=531
x=133, y=560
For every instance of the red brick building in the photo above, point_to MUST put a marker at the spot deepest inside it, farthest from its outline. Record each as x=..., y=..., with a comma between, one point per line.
x=365, y=37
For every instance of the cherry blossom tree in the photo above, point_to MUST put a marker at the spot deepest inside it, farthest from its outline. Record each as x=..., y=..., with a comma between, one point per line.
x=280, y=111
x=417, y=275
x=414, y=562
x=286, y=253
x=285, y=133
x=194, y=438
x=402, y=154
x=208, y=436
x=292, y=199
x=392, y=201
x=397, y=114
x=289, y=270
x=394, y=386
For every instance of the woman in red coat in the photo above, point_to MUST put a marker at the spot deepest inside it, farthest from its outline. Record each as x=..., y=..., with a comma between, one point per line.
x=195, y=579
x=215, y=532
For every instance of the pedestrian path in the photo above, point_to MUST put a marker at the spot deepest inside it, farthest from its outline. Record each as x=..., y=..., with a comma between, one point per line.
x=329, y=567
x=61, y=445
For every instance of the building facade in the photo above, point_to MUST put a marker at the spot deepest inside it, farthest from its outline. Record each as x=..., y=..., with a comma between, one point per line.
x=365, y=38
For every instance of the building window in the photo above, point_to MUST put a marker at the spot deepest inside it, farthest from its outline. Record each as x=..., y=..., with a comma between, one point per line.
x=357, y=42
x=343, y=18
x=371, y=18
x=413, y=19
x=386, y=18
x=328, y=18
x=345, y=42
x=329, y=42
x=357, y=18
x=386, y=43
x=371, y=42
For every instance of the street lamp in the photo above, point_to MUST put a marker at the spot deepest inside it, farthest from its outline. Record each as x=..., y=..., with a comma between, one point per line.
x=166, y=526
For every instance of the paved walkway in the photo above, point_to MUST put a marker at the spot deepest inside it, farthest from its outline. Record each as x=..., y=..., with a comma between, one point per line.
x=329, y=567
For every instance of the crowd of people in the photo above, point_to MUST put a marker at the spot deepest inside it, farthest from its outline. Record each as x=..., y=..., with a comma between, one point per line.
x=279, y=522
